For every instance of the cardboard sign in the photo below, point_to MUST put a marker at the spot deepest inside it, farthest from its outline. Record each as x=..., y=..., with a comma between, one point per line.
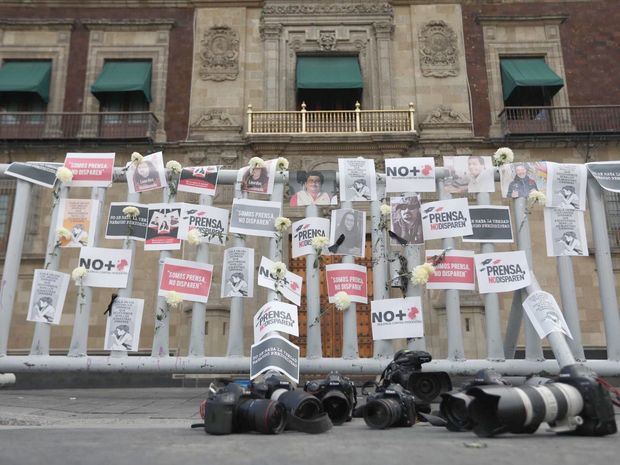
x=106, y=267
x=190, y=279
x=566, y=186
x=79, y=216
x=254, y=217
x=47, y=297
x=90, y=169
x=469, y=174
x=199, y=179
x=397, y=318
x=210, y=222
x=414, y=174
x=352, y=225
x=258, y=180
x=238, y=273
x=275, y=353
x=121, y=226
x=122, y=330
x=407, y=219
x=42, y=174
x=349, y=278
x=545, y=314
x=289, y=286
x=446, y=218
x=565, y=232
x=275, y=316
x=490, y=224
x=304, y=231
x=312, y=188
x=502, y=271
x=162, y=232
x=456, y=271
x=148, y=175
x=606, y=173
x=358, y=181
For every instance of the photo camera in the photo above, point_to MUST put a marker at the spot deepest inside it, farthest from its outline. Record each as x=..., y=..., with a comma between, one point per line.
x=337, y=395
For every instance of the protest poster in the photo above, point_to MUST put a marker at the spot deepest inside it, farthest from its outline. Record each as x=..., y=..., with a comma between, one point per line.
x=490, y=224
x=312, y=188
x=545, y=314
x=90, y=169
x=304, y=231
x=348, y=232
x=258, y=179
x=411, y=174
x=254, y=217
x=275, y=353
x=454, y=271
x=406, y=219
x=121, y=226
x=47, y=297
x=566, y=186
x=211, y=223
x=446, y=218
x=79, y=217
x=289, y=286
x=122, y=330
x=357, y=179
x=519, y=179
x=276, y=316
x=162, y=232
x=147, y=175
x=473, y=173
x=199, y=179
x=105, y=267
x=190, y=279
x=565, y=232
x=42, y=174
x=502, y=271
x=349, y=278
x=606, y=173
x=397, y=318
x=238, y=273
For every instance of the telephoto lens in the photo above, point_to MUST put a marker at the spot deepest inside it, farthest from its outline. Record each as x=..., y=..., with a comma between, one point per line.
x=298, y=403
x=262, y=415
x=389, y=407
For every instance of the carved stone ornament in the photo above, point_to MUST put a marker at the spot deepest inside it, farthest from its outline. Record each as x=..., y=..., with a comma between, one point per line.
x=335, y=8
x=445, y=117
x=214, y=120
x=219, y=57
x=327, y=40
x=438, y=50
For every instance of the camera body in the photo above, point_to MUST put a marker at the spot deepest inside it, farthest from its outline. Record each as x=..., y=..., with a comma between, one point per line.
x=337, y=394
x=389, y=406
x=271, y=384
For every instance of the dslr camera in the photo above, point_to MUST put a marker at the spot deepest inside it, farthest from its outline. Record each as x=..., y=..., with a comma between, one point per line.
x=337, y=395
x=389, y=406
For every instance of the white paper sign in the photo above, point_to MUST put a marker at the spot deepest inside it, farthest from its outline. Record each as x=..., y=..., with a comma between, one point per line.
x=446, y=218
x=147, y=175
x=47, y=298
x=90, y=169
x=238, y=273
x=211, y=223
x=565, y=232
x=358, y=180
x=415, y=174
x=502, y=271
x=397, y=318
x=349, y=278
x=122, y=331
x=545, y=314
x=254, y=217
x=304, y=231
x=289, y=286
x=456, y=271
x=106, y=267
x=192, y=280
x=276, y=316
x=566, y=186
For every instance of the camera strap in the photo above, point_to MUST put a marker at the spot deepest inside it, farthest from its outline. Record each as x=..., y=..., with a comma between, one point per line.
x=319, y=424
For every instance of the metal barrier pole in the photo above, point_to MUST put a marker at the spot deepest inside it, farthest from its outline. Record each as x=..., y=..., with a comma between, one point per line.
x=275, y=246
x=415, y=256
x=349, y=319
x=453, y=304
x=235, y=322
x=569, y=304
x=84, y=299
x=41, y=338
x=12, y=260
x=604, y=267
x=313, y=298
x=495, y=349
x=514, y=325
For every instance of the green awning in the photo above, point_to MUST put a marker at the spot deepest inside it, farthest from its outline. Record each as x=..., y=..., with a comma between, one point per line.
x=27, y=76
x=329, y=73
x=124, y=76
x=524, y=73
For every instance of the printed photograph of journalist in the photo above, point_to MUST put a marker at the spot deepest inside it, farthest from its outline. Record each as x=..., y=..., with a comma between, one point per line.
x=312, y=187
x=523, y=182
x=407, y=219
x=352, y=225
x=469, y=174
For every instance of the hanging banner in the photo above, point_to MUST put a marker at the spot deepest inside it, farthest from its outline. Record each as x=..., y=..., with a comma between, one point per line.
x=349, y=278
x=406, y=219
x=412, y=174
x=565, y=232
x=490, y=224
x=607, y=173
x=211, y=223
x=348, y=229
x=519, y=179
x=254, y=217
x=275, y=353
x=47, y=297
x=289, y=286
x=147, y=175
x=275, y=316
x=122, y=330
x=566, y=186
x=238, y=273
x=42, y=174
x=397, y=318
x=446, y=218
x=455, y=271
x=545, y=314
x=106, y=267
x=90, y=169
x=469, y=174
x=162, y=232
x=199, y=179
x=121, y=226
x=304, y=231
x=190, y=279
x=79, y=217
x=502, y=271
x=259, y=179
x=312, y=188
x=357, y=179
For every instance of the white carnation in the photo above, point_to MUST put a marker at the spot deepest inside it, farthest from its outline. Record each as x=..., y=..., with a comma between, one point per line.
x=386, y=209
x=194, y=236
x=318, y=242
x=421, y=273
x=256, y=162
x=78, y=273
x=63, y=233
x=537, y=196
x=173, y=299
x=174, y=166
x=342, y=300
x=64, y=174
x=282, y=164
x=131, y=212
x=282, y=224
x=502, y=156
x=278, y=269
x=136, y=158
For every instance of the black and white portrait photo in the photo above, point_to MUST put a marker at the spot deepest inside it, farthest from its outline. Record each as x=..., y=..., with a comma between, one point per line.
x=407, y=219
x=348, y=232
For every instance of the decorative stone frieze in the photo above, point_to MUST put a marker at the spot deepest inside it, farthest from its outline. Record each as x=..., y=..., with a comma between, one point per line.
x=219, y=56
x=438, y=50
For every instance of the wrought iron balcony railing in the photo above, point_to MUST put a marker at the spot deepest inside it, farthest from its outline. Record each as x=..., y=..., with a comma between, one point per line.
x=109, y=125
x=600, y=119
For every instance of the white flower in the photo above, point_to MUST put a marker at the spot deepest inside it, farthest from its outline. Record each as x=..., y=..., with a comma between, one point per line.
x=537, y=196
x=386, y=209
x=173, y=299
x=282, y=224
x=193, y=237
x=78, y=273
x=282, y=164
x=421, y=273
x=131, y=212
x=174, y=166
x=342, y=300
x=256, y=162
x=63, y=233
x=136, y=158
x=502, y=156
x=278, y=269
x=318, y=242
x=64, y=174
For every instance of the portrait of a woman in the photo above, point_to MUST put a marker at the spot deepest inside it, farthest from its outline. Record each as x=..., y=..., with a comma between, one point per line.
x=255, y=179
x=350, y=224
x=146, y=177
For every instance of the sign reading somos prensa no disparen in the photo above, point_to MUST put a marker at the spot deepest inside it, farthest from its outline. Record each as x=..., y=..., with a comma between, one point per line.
x=254, y=217
x=190, y=279
x=275, y=316
x=502, y=271
x=275, y=353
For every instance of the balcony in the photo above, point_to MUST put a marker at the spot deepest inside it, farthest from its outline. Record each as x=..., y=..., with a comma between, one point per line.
x=70, y=126
x=600, y=120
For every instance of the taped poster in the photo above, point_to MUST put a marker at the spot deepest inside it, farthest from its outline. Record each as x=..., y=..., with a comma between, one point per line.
x=258, y=179
x=455, y=271
x=122, y=331
x=565, y=232
x=147, y=175
x=502, y=271
x=348, y=232
x=79, y=217
x=606, y=173
x=47, y=297
x=238, y=273
x=519, y=179
x=275, y=353
x=304, y=231
x=312, y=188
x=446, y=218
x=123, y=225
x=289, y=286
x=105, y=267
x=162, y=232
x=254, y=217
x=566, y=186
x=357, y=179
x=190, y=279
x=411, y=174
x=471, y=174
x=199, y=179
x=90, y=169
x=490, y=224
x=210, y=223
x=276, y=316
x=545, y=314
x=397, y=318
x=406, y=218
x=349, y=278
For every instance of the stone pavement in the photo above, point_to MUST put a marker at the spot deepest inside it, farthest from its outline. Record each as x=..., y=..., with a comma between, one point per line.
x=151, y=426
